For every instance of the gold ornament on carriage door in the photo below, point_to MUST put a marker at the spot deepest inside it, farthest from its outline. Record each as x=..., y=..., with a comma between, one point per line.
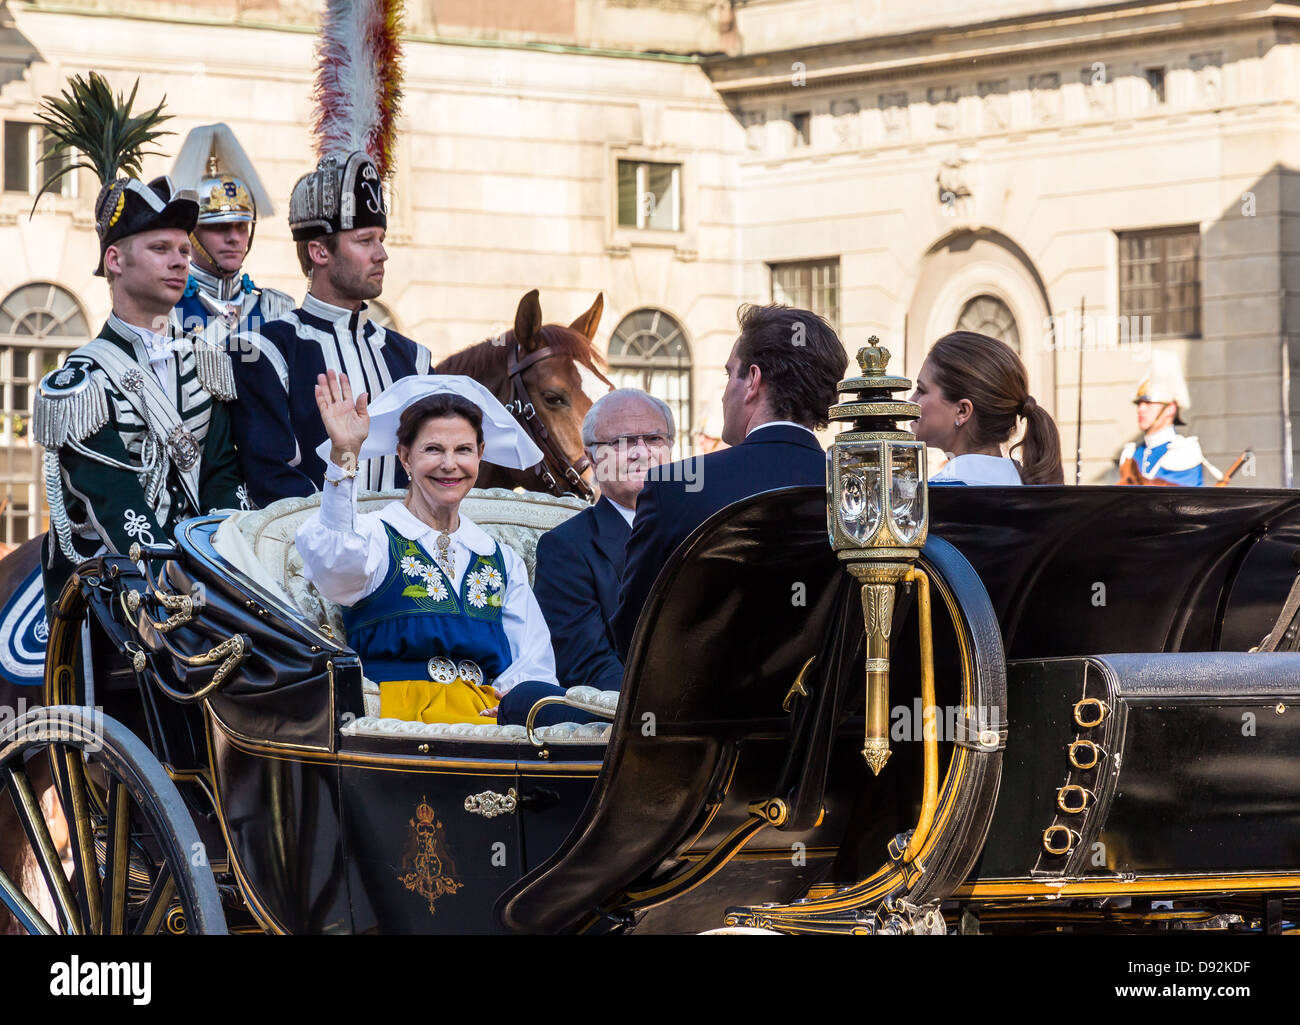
x=427, y=868
x=877, y=516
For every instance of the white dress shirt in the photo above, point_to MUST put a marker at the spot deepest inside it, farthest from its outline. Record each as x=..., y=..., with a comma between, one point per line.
x=162, y=357
x=624, y=511
x=989, y=471
x=345, y=554
x=781, y=423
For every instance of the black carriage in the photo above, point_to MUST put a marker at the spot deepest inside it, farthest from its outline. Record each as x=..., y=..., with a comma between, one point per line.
x=232, y=778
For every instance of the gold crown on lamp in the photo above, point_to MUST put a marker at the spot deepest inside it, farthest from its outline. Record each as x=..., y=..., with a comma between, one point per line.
x=873, y=388
x=873, y=358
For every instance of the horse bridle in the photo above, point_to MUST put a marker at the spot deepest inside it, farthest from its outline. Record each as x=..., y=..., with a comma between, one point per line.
x=521, y=405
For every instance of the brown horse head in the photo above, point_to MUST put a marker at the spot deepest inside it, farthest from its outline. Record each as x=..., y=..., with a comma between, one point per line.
x=553, y=383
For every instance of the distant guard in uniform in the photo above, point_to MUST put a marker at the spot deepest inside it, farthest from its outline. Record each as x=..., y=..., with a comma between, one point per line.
x=136, y=423
x=219, y=297
x=338, y=217
x=1163, y=456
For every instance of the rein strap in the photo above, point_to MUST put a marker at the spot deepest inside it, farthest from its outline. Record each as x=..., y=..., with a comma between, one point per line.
x=521, y=405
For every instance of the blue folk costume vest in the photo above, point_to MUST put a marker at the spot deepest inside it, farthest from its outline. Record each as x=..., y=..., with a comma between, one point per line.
x=414, y=615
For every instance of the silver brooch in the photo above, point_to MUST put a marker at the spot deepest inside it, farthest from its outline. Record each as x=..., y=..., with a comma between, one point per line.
x=442, y=669
x=470, y=672
x=133, y=380
x=184, y=448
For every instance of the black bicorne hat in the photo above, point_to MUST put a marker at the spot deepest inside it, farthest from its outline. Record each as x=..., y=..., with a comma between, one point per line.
x=127, y=206
x=339, y=195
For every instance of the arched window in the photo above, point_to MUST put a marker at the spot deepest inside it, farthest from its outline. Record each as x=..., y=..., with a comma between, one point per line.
x=40, y=324
x=648, y=350
x=989, y=315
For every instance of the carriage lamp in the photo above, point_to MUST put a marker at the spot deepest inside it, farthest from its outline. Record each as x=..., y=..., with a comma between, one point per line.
x=877, y=515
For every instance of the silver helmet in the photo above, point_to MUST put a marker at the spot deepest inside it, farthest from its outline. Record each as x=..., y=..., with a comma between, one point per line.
x=214, y=164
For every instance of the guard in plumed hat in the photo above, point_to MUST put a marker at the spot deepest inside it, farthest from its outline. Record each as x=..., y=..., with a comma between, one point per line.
x=1163, y=456
x=136, y=423
x=338, y=215
x=220, y=298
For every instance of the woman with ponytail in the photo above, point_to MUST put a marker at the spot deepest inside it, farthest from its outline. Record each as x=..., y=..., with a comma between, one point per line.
x=973, y=392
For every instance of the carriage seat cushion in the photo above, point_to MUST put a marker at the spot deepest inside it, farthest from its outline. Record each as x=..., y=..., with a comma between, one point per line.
x=260, y=543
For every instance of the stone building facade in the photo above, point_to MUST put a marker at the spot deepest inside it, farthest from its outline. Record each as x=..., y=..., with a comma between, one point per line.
x=902, y=168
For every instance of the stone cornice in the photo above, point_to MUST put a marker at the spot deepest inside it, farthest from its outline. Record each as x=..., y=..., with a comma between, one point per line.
x=1025, y=40
x=38, y=6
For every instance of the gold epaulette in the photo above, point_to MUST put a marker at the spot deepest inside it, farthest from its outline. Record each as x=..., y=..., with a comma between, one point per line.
x=70, y=406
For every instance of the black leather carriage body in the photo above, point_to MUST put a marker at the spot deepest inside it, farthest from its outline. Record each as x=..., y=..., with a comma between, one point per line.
x=1197, y=740
x=1149, y=764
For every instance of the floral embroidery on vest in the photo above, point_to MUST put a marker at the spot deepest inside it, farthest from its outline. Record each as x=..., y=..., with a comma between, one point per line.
x=428, y=582
x=429, y=589
x=484, y=586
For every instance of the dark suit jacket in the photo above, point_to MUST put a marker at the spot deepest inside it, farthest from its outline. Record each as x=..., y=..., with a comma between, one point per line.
x=579, y=564
x=680, y=496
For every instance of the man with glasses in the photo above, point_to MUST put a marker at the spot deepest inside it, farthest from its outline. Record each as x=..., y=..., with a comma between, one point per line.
x=580, y=562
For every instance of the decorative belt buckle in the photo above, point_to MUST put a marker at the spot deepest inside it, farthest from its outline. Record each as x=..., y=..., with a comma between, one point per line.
x=470, y=672
x=442, y=669
x=184, y=448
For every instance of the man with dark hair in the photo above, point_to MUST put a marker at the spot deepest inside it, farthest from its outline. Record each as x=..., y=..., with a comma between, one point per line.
x=781, y=380
x=338, y=218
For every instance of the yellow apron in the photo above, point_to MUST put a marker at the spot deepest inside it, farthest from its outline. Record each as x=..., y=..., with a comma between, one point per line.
x=429, y=701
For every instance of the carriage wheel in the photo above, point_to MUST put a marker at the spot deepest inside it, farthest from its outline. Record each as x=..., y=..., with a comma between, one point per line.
x=132, y=862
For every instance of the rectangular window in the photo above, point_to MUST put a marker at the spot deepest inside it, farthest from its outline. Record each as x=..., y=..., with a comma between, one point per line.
x=802, y=122
x=1156, y=80
x=25, y=170
x=1160, y=278
x=649, y=195
x=809, y=285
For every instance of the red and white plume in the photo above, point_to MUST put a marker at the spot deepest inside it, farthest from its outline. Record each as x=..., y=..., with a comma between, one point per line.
x=359, y=79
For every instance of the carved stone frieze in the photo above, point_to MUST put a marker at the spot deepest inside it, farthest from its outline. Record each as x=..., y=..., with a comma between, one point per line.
x=1045, y=89
x=896, y=114
x=995, y=101
x=845, y=117
x=1098, y=92
x=954, y=185
x=944, y=102
x=1208, y=69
